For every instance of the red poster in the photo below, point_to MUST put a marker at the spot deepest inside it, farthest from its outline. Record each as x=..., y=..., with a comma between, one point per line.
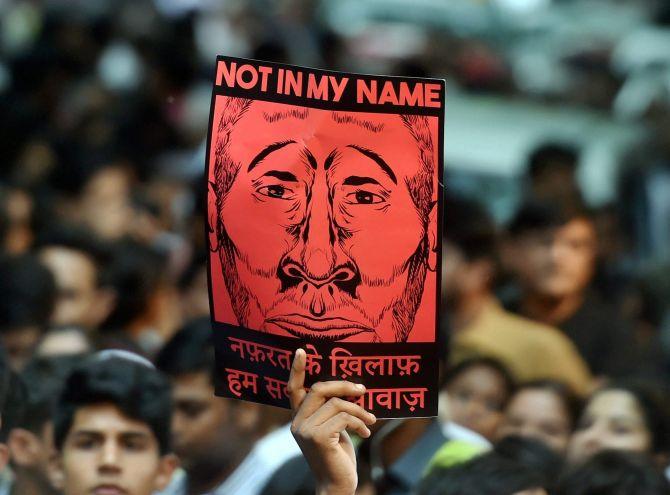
x=324, y=209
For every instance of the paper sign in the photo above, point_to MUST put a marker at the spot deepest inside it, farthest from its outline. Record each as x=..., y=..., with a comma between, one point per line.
x=324, y=210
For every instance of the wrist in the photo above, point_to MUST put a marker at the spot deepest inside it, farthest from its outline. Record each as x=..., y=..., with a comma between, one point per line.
x=331, y=489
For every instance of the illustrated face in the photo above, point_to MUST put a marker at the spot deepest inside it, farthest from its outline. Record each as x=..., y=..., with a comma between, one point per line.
x=107, y=452
x=326, y=236
x=476, y=400
x=539, y=414
x=559, y=262
x=612, y=420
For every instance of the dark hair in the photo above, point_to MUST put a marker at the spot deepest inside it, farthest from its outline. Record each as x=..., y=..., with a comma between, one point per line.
x=136, y=389
x=46, y=377
x=548, y=154
x=571, y=402
x=489, y=474
x=655, y=409
x=28, y=292
x=540, y=215
x=468, y=226
x=14, y=408
x=77, y=238
x=481, y=361
x=614, y=473
x=532, y=454
x=190, y=350
x=134, y=273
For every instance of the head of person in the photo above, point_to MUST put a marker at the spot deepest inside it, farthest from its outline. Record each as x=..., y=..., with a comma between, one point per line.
x=209, y=433
x=469, y=249
x=614, y=473
x=343, y=238
x=555, y=249
x=112, y=428
x=623, y=416
x=489, y=474
x=545, y=410
x=28, y=294
x=31, y=440
x=77, y=261
x=551, y=170
x=532, y=454
x=478, y=390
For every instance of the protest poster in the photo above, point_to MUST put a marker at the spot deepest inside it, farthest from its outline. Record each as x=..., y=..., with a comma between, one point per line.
x=324, y=212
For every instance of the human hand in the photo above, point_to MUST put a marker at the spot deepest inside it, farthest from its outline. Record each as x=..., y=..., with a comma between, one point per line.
x=320, y=420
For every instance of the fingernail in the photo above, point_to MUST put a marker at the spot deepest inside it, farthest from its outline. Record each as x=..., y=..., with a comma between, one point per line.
x=373, y=417
x=360, y=387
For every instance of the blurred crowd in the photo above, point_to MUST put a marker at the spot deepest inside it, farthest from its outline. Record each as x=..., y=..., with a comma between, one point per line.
x=555, y=314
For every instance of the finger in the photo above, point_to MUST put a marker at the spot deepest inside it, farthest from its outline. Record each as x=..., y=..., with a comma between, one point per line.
x=340, y=422
x=334, y=406
x=322, y=391
x=296, y=380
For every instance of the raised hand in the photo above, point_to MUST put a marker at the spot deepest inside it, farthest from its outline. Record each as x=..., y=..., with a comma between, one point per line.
x=320, y=420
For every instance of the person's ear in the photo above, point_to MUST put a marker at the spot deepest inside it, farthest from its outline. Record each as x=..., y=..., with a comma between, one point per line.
x=212, y=220
x=166, y=468
x=433, y=241
x=24, y=447
x=56, y=472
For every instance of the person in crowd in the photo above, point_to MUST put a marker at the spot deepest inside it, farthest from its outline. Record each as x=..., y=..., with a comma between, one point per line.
x=554, y=250
x=28, y=295
x=614, y=473
x=515, y=465
x=147, y=310
x=78, y=262
x=623, y=416
x=31, y=440
x=214, y=437
x=480, y=326
x=477, y=392
x=545, y=410
x=551, y=171
x=112, y=428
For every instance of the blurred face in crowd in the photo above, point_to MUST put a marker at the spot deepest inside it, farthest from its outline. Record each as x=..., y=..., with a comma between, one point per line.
x=108, y=453
x=558, y=263
x=19, y=344
x=613, y=419
x=539, y=414
x=80, y=301
x=462, y=277
x=476, y=399
x=105, y=203
x=209, y=432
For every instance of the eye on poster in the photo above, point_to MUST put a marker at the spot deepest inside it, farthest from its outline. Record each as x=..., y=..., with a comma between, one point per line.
x=324, y=209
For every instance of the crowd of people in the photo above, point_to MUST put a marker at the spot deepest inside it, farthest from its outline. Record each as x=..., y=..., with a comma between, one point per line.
x=555, y=356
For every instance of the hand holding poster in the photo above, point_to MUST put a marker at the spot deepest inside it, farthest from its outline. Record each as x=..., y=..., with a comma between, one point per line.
x=323, y=206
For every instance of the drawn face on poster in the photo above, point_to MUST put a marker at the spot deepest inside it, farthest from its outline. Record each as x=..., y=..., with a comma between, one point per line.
x=323, y=224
